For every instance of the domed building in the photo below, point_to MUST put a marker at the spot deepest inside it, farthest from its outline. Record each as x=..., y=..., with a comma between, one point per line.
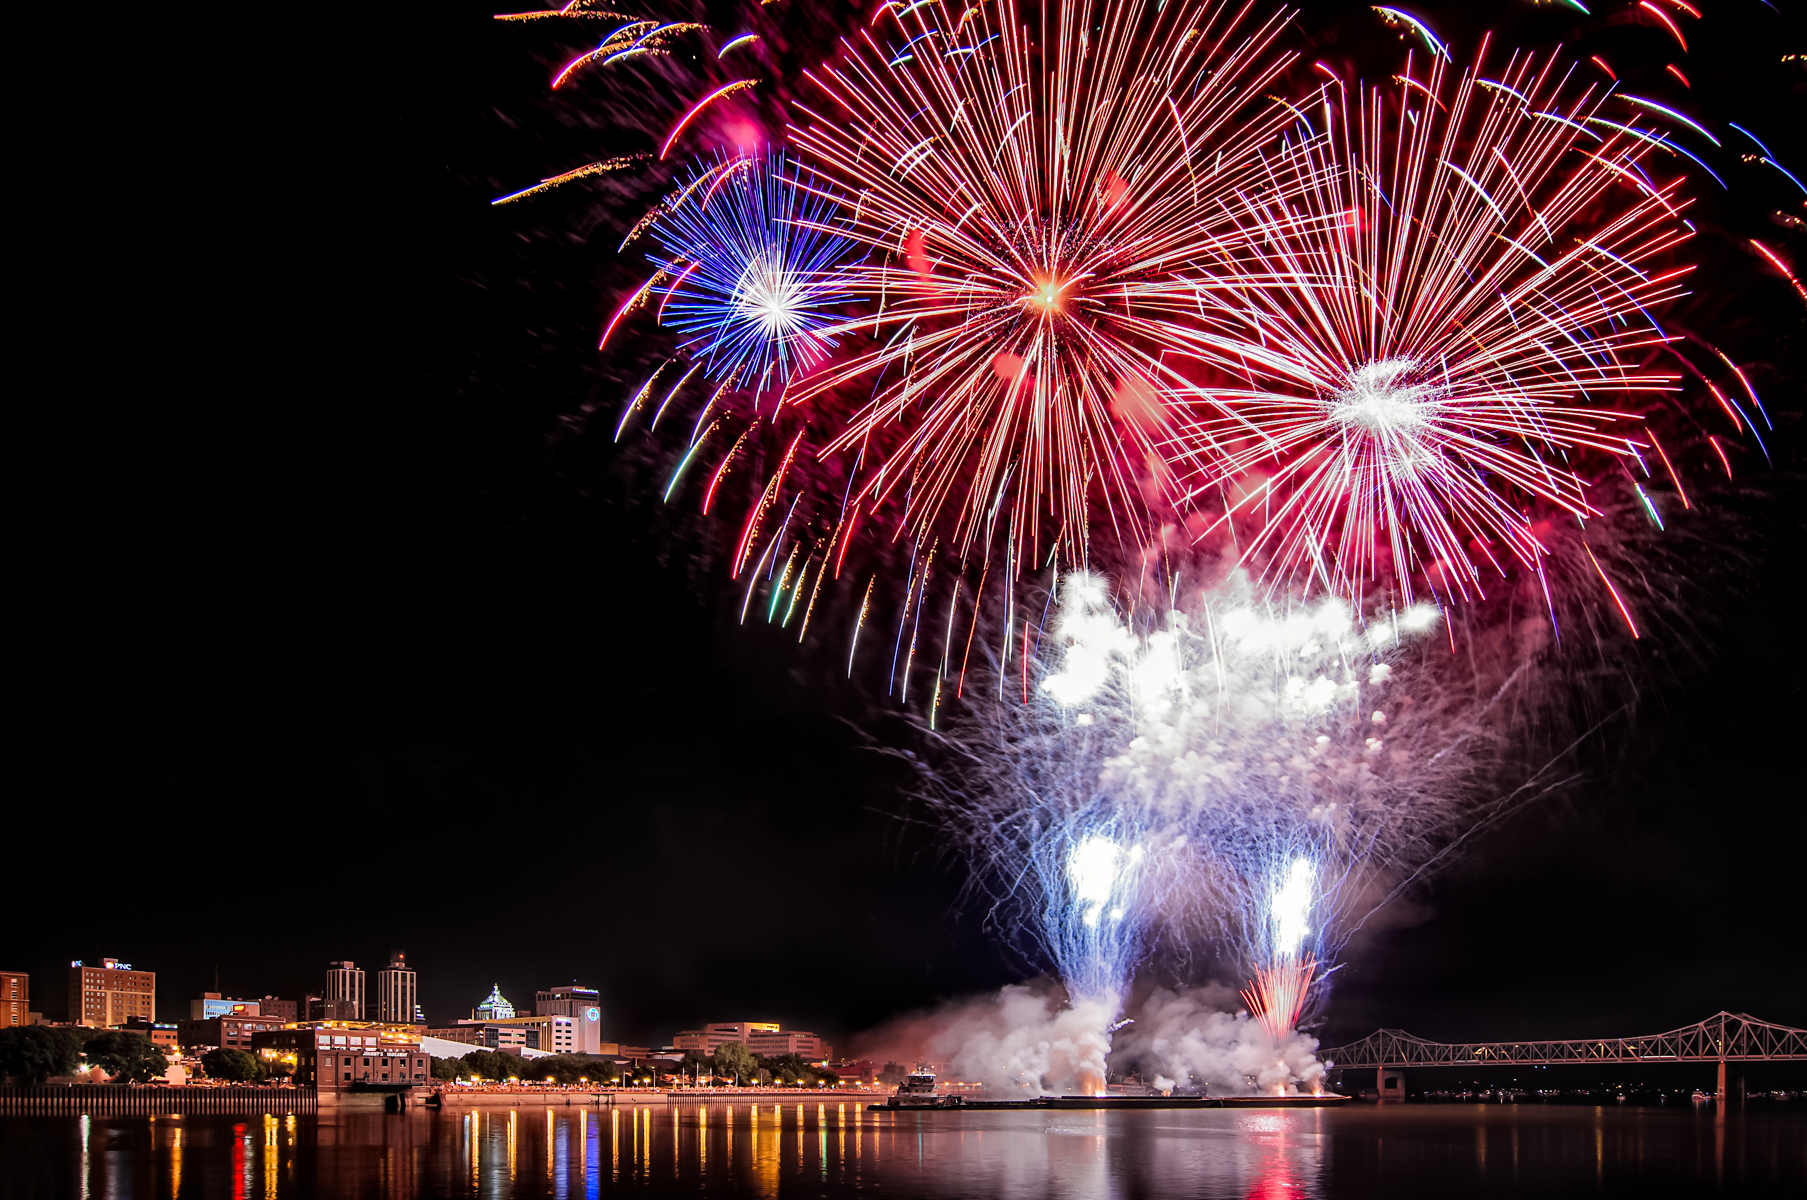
x=496, y=1008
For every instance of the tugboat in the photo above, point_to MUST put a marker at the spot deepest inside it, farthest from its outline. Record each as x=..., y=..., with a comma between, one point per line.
x=918, y=1091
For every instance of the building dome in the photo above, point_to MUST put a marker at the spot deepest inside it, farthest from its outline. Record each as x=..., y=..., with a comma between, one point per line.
x=497, y=1007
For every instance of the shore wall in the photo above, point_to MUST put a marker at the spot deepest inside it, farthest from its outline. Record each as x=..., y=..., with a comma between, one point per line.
x=531, y=1098
x=109, y=1099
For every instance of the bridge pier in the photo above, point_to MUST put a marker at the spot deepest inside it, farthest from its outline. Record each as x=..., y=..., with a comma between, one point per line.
x=1719, y=1095
x=1391, y=1083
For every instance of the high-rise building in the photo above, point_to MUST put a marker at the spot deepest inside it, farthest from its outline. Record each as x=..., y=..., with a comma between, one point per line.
x=565, y=1001
x=345, y=982
x=110, y=994
x=395, y=991
x=15, y=999
x=583, y=1005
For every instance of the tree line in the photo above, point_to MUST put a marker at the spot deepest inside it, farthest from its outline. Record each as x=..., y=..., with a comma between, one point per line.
x=31, y=1054
x=35, y=1053
x=732, y=1063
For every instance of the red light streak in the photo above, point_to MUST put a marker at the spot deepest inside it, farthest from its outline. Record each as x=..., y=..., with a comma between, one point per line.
x=1679, y=490
x=1659, y=14
x=1276, y=995
x=1623, y=611
x=717, y=94
x=1781, y=266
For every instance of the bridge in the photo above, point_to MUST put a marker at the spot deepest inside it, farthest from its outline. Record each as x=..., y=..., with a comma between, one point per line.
x=1722, y=1038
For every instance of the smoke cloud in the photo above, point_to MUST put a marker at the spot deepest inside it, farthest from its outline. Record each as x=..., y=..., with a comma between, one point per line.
x=1033, y=1040
x=1199, y=1038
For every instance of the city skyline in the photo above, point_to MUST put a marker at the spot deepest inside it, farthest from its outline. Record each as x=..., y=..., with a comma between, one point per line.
x=573, y=1000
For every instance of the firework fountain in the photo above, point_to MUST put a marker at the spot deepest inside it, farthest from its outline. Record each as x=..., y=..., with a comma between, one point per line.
x=1220, y=777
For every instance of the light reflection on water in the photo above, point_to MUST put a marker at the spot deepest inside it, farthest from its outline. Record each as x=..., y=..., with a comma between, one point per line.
x=836, y=1149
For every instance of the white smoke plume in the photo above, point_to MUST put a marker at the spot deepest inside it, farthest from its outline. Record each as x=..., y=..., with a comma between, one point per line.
x=1027, y=1040
x=1030, y=1043
x=1196, y=1038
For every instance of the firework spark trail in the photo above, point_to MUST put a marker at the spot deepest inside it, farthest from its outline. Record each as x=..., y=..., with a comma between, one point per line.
x=1460, y=301
x=1031, y=196
x=606, y=166
x=757, y=267
x=1232, y=775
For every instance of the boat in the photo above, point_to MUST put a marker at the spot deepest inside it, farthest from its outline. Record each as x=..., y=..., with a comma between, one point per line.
x=918, y=1091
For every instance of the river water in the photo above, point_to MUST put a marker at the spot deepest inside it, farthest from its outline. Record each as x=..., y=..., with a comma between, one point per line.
x=831, y=1149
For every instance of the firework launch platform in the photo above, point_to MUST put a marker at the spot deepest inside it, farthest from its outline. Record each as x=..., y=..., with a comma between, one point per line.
x=1327, y=1100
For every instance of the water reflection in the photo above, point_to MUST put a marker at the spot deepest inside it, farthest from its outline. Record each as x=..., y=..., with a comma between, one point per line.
x=840, y=1148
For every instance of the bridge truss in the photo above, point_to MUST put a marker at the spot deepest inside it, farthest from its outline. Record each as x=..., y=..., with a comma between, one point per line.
x=1724, y=1037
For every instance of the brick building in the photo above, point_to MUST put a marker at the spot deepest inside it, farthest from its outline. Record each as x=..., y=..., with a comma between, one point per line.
x=318, y=1008
x=232, y=1031
x=110, y=994
x=336, y=1058
x=163, y=1034
x=271, y=1006
x=15, y=999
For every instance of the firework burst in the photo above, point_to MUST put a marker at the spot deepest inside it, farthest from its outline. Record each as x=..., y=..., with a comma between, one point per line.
x=1457, y=306
x=1036, y=199
x=756, y=268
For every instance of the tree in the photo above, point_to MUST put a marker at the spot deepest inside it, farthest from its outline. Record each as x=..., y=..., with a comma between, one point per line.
x=492, y=1065
x=794, y=1069
x=893, y=1073
x=233, y=1065
x=445, y=1069
x=33, y=1053
x=128, y=1056
x=568, y=1069
x=734, y=1060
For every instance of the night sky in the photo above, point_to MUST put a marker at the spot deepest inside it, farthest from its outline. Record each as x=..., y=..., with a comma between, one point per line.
x=334, y=639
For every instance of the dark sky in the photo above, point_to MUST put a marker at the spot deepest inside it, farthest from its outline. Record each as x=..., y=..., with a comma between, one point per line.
x=326, y=645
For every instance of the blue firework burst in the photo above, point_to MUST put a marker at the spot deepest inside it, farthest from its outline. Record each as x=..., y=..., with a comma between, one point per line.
x=751, y=247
